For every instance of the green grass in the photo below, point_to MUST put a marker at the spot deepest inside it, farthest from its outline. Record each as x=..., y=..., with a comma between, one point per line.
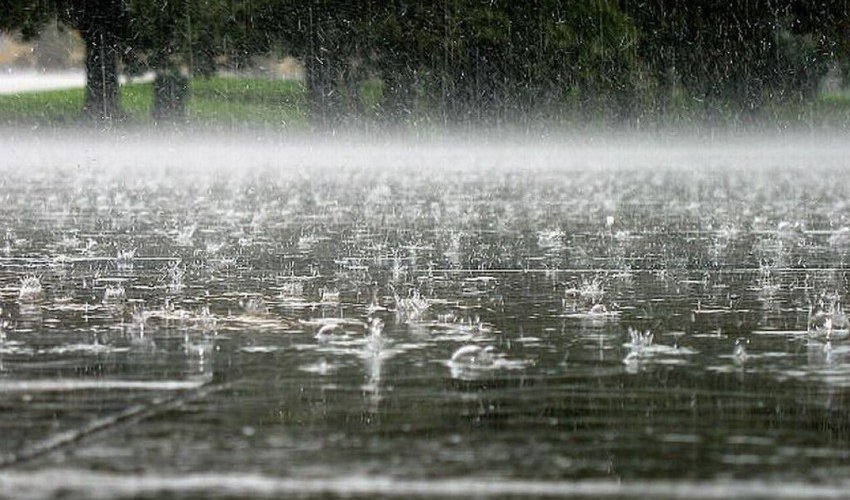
x=55, y=106
x=245, y=101
x=214, y=102
x=235, y=103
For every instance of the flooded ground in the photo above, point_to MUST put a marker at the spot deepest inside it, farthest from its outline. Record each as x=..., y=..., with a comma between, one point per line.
x=276, y=319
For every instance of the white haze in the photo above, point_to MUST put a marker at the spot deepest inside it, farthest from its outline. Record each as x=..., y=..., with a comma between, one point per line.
x=160, y=152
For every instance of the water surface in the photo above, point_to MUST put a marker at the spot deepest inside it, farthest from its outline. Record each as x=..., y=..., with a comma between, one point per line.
x=276, y=319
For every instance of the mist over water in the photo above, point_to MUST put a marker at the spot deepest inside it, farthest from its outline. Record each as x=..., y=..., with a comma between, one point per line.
x=252, y=151
x=611, y=315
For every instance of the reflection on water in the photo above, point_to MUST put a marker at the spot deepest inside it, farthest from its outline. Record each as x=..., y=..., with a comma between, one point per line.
x=666, y=327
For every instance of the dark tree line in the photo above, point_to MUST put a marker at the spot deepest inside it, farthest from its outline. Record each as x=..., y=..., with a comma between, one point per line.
x=466, y=60
x=102, y=24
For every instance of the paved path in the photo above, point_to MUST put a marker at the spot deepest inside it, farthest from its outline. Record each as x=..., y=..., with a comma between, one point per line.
x=18, y=81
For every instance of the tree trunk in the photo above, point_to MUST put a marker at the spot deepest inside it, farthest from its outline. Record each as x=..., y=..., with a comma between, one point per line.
x=102, y=101
x=101, y=25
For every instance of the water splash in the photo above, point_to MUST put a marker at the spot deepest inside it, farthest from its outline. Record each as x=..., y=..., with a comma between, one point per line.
x=114, y=294
x=125, y=259
x=474, y=355
x=185, y=237
x=175, y=276
x=330, y=296
x=739, y=354
x=253, y=305
x=412, y=307
x=639, y=344
x=30, y=290
x=828, y=321
x=376, y=327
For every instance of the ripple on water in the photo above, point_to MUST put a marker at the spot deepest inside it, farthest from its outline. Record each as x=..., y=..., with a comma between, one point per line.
x=470, y=362
x=260, y=349
x=286, y=270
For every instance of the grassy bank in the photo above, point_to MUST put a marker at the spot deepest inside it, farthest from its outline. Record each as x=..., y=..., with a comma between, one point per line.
x=234, y=103
x=216, y=102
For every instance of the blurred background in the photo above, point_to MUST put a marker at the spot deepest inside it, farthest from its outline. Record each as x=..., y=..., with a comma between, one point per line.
x=468, y=63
